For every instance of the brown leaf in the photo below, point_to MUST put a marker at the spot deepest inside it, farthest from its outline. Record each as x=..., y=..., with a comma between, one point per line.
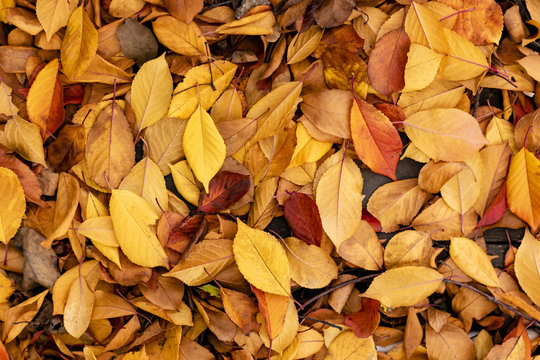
x=182, y=235
x=303, y=217
x=333, y=12
x=68, y=148
x=184, y=10
x=225, y=189
x=28, y=180
x=241, y=309
x=386, y=66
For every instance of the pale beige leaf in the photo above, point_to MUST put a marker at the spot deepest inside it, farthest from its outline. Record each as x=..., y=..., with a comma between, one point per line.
x=347, y=346
x=368, y=24
x=408, y=248
x=24, y=138
x=464, y=60
x=461, y=191
x=12, y=204
x=180, y=37
x=404, y=286
x=303, y=44
x=310, y=341
x=397, y=203
x=145, y=179
x=519, y=79
x=185, y=182
x=79, y=44
x=151, y=92
x=500, y=131
x=227, y=107
x=164, y=140
x=531, y=64
x=421, y=67
x=205, y=260
x=473, y=261
x=311, y=266
x=78, y=308
x=262, y=260
x=424, y=28
x=527, y=268
x=445, y=134
x=363, y=248
x=6, y=106
x=132, y=220
x=88, y=270
x=339, y=199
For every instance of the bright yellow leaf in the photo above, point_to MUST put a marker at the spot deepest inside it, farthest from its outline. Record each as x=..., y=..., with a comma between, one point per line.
x=526, y=266
x=12, y=204
x=473, y=261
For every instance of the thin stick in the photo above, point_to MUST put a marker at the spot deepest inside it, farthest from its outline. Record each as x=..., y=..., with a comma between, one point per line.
x=321, y=321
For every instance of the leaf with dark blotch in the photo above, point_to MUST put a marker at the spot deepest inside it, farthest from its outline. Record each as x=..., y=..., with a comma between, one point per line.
x=181, y=236
x=225, y=189
x=496, y=210
x=68, y=148
x=365, y=321
x=386, y=67
x=302, y=214
x=27, y=178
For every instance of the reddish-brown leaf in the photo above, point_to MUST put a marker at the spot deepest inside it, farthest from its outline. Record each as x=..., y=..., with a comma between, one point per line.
x=28, y=180
x=365, y=321
x=496, y=210
x=225, y=189
x=393, y=113
x=372, y=220
x=68, y=148
x=386, y=66
x=73, y=94
x=376, y=140
x=302, y=214
x=181, y=236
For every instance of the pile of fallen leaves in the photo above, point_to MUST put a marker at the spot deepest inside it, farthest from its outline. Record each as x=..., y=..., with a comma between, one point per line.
x=283, y=179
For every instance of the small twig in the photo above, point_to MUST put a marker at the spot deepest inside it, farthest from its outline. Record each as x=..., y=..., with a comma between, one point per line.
x=321, y=321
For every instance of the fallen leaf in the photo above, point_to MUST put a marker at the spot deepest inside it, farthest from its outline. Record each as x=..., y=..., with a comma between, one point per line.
x=225, y=189
x=78, y=308
x=348, y=346
x=365, y=321
x=178, y=36
x=12, y=203
x=473, y=261
x=303, y=217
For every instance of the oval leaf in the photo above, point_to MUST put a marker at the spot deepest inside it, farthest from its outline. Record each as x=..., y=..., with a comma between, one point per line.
x=473, y=261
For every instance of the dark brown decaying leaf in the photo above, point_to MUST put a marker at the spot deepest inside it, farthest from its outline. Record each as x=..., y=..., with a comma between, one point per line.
x=303, y=217
x=386, y=66
x=136, y=41
x=68, y=148
x=182, y=235
x=225, y=189
x=333, y=12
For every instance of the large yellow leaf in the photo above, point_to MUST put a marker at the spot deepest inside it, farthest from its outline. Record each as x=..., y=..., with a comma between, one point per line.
x=347, y=346
x=257, y=24
x=461, y=191
x=204, y=146
x=24, y=138
x=12, y=204
x=274, y=109
x=79, y=44
x=424, y=28
x=206, y=259
x=523, y=186
x=450, y=342
x=145, y=179
x=473, y=261
x=404, y=286
x=78, y=310
x=421, y=68
x=100, y=230
x=262, y=260
x=329, y=111
x=339, y=199
x=180, y=37
x=151, y=92
x=445, y=134
x=311, y=266
x=397, y=203
x=303, y=44
x=526, y=266
x=89, y=270
x=434, y=175
x=164, y=140
x=464, y=60
x=132, y=218
x=53, y=15
x=110, y=150
x=197, y=85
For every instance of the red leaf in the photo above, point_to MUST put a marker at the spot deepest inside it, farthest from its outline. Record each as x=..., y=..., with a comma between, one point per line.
x=496, y=210
x=372, y=220
x=225, y=189
x=393, y=113
x=73, y=94
x=302, y=214
x=386, y=67
x=365, y=321
x=181, y=236
x=376, y=140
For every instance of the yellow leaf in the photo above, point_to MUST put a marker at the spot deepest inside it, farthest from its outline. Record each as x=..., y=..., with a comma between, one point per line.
x=88, y=270
x=274, y=109
x=102, y=71
x=110, y=150
x=78, y=308
x=339, y=199
x=464, y=60
x=53, y=15
x=439, y=94
x=363, y=249
x=24, y=138
x=408, y=248
x=79, y=44
x=445, y=134
x=397, y=203
x=500, y=131
x=473, y=261
x=145, y=179
x=185, y=182
x=257, y=24
x=6, y=106
x=404, y=286
x=523, y=186
x=99, y=229
x=424, y=28
x=17, y=317
x=67, y=203
x=168, y=348
x=137, y=355
x=526, y=267
x=227, y=107
x=310, y=341
x=6, y=287
x=197, y=85
x=204, y=146
x=311, y=266
x=303, y=44
x=520, y=80
x=434, y=175
x=132, y=218
x=307, y=148
x=180, y=37
x=450, y=342
x=151, y=92
x=262, y=260
x=421, y=67
x=288, y=332
x=461, y=191
x=12, y=204
x=164, y=140
x=4, y=5
x=347, y=346
x=205, y=260
x=263, y=205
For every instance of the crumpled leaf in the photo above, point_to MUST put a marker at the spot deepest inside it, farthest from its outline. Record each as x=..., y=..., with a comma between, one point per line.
x=41, y=265
x=17, y=317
